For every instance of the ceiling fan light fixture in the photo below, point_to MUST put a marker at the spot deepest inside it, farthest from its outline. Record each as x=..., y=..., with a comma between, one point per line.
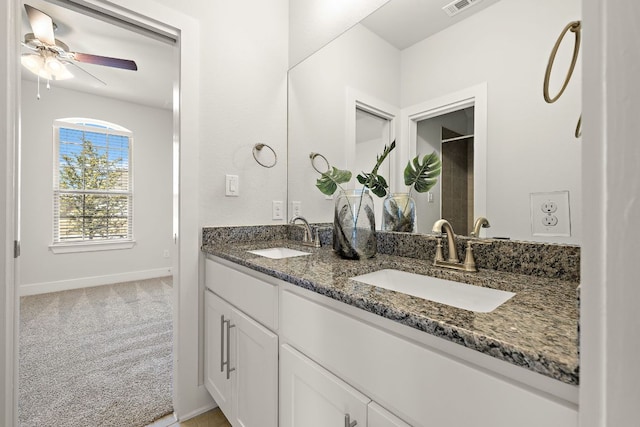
x=49, y=68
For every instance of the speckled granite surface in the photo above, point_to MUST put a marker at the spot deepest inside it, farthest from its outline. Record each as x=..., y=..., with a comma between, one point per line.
x=536, y=329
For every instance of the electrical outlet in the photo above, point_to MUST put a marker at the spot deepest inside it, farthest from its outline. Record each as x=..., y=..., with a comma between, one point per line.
x=277, y=210
x=296, y=209
x=550, y=215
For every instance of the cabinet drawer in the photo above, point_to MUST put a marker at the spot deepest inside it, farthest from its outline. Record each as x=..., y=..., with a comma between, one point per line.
x=421, y=385
x=253, y=296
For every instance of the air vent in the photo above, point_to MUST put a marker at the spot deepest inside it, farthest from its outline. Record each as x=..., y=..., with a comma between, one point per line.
x=458, y=6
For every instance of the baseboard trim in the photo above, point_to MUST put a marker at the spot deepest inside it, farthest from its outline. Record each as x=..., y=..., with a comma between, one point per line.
x=198, y=411
x=87, y=282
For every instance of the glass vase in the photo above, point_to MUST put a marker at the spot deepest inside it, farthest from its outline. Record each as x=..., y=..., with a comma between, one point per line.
x=354, y=226
x=399, y=213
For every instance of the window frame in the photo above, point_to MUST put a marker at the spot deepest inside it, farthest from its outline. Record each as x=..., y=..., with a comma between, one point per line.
x=87, y=245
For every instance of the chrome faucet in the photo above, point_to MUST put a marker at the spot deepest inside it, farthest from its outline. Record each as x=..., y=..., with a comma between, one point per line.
x=452, y=261
x=310, y=238
x=481, y=222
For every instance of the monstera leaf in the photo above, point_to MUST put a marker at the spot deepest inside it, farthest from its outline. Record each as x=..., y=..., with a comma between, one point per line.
x=330, y=180
x=374, y=182
x=423, y=175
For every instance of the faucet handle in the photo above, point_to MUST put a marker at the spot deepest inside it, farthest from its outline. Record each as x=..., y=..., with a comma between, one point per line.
x=316, y=238
x=469, y=260
x=439, y=256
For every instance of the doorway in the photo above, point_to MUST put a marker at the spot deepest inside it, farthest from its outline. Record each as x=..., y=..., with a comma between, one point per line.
x=373, y=133
x=450, y=135
x=111, y=101
x=428, y=128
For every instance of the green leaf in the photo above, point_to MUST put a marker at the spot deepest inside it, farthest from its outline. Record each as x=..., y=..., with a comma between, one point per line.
x=330, y=180
x=376, y=183
x=423, y=176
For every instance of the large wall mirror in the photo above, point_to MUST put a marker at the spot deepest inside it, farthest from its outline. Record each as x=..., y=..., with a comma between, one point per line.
x=468, y=87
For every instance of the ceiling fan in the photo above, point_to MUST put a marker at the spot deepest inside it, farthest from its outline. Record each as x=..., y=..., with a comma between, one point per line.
x=51, y=56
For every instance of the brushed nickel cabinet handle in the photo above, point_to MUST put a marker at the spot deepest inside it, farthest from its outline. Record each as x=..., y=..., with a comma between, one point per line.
x=228, y=362
x=222, y=322
x=348, y=422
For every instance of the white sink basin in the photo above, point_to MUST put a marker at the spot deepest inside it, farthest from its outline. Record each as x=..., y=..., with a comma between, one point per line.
x=278, y=253
x=460, y=295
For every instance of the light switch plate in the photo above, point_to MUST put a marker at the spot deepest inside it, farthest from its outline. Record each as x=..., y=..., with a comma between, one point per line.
x=232, y=186
x=277, y=209
x=550, y=214
x=296, y=208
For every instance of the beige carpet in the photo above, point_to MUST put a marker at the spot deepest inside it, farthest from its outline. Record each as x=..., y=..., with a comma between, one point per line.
x=98, y=356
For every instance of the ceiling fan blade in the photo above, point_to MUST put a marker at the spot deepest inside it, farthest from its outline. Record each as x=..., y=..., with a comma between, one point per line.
x=125, y=64
x=41, y=24
x=32, y=48
x=84, y=71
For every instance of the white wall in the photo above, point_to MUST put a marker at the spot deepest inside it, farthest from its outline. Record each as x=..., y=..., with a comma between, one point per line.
x=609, y=372
x=318, y=93
x=152, y=185
x=314, y=23
x=243, y=92
x=243, y=102
x=507, y=45
x=8, y=130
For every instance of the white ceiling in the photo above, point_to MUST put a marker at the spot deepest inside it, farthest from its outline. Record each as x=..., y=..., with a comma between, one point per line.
x=401, y=22
x=151, y=84
x=405, y=22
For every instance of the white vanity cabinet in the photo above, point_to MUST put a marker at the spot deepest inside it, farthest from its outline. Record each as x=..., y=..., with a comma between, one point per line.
x=421, y=385
x=377, y=416
x=340, y=365
x=241, y=355
x=310, y=396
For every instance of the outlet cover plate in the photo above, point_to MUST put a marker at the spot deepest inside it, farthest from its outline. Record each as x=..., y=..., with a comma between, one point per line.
x=550, y=214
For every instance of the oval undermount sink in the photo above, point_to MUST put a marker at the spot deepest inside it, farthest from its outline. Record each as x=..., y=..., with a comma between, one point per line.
x=278, y=253
x=455, y=294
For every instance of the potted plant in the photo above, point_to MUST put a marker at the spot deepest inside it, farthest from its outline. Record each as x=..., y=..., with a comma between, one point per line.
x=354, y=220
x=399, y=209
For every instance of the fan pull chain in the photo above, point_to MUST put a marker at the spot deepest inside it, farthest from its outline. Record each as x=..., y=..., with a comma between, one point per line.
x=38, y=94
x=48, y=84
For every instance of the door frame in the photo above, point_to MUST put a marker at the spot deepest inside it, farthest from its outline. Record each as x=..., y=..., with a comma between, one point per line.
x=189, y=395
x=475, y=96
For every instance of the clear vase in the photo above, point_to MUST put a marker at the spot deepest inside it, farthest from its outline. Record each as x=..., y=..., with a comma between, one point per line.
x=399, y=213
x=354, y=226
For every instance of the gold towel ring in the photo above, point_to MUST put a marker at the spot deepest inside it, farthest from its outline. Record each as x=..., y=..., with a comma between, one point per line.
x=259, y=147
x=575, y=27
x=313, y=156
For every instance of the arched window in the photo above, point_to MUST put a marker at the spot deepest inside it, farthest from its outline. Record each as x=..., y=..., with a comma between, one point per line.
x=92, y=190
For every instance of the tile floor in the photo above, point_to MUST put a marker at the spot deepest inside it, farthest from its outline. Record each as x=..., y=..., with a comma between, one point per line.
x=213, y=418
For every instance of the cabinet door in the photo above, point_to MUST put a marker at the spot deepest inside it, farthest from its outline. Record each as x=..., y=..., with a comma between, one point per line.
x=311, y=396
x=255, y=378
x=215, y=351
x=380, y=417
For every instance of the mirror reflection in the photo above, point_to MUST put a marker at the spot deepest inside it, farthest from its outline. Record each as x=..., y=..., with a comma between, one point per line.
x=480, y=75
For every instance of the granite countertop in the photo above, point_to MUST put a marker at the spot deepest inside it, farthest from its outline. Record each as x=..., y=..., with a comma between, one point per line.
x=536, y=329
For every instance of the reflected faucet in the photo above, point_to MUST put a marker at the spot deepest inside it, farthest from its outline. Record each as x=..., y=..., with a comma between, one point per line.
x=481, y=222
x=310, y=238
x=452, y=261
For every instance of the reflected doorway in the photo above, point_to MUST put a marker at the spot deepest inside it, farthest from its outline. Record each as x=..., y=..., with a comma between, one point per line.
x=451, y=136
x=373, y=132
